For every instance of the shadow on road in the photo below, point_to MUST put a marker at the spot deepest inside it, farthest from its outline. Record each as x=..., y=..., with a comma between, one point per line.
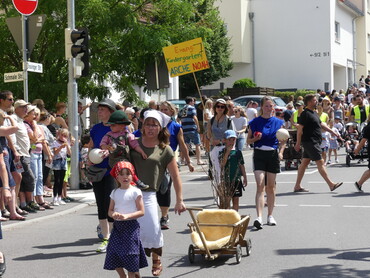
x=80, y=242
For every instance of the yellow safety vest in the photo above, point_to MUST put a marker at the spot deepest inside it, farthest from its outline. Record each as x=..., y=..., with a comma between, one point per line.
x=357, y=112
x=324, y=117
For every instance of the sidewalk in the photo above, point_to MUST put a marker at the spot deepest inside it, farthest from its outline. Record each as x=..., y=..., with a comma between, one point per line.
x=83, y=198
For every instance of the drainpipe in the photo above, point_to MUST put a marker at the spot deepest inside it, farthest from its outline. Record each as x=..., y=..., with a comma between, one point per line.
x=251, y=18
x=354, y=48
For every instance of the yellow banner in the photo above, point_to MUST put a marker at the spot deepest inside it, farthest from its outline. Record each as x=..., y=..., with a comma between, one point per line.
x=186, y=57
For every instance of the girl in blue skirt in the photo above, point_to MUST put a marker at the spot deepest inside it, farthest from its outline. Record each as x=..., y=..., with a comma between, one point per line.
x=124, y=249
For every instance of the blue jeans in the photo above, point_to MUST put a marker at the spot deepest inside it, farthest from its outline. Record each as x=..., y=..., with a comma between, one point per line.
x=36, y=167
x=240, y=143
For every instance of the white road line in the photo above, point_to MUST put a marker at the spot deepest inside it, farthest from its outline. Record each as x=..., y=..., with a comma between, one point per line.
x=193, y=183
x=315, y=205
x=349, y=206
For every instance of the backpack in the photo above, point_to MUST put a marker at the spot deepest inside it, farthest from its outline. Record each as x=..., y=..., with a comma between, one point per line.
x=183, y=112
x=122, y=150
x=228, y=122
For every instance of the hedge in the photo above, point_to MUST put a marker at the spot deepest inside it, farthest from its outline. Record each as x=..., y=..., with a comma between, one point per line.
x=296, y=94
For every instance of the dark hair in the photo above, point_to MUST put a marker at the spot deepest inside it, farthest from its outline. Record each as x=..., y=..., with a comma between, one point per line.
x=4, y=94
x=44, y=115
x=85, y=139
x=188, y=100
x=143, y=111
x=308, y=98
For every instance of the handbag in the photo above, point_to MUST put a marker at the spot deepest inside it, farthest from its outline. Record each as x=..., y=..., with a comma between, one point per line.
x=166, y=182
x=95, y=174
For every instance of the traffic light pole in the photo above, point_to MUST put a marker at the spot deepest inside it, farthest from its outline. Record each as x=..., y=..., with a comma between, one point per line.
x=25, y=56
x=72, y=105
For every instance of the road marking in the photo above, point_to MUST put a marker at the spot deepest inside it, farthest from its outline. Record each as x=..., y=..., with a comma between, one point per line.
x=349, y=206
x=193, y=183
x=315, y=205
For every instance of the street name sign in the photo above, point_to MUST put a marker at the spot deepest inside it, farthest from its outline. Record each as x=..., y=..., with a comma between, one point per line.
x=13, y=76
x=186, y=57
x=25, y=7
x=34, y=67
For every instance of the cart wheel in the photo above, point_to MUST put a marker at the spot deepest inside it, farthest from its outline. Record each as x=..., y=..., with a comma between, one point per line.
x=348, y=160
x=248, y=247
x=238, y=255
x=191, y=254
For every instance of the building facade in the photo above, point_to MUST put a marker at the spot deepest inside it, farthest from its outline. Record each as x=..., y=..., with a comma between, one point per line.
x=303, y=44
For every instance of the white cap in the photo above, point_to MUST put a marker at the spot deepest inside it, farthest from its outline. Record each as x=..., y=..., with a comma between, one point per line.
x=130, y=110
x=162, y=118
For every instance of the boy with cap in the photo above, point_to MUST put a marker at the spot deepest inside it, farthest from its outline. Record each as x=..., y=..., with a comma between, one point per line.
x=232, y=163
x=118, y=141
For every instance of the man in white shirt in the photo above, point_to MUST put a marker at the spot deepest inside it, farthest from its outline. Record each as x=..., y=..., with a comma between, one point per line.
x=24, y=145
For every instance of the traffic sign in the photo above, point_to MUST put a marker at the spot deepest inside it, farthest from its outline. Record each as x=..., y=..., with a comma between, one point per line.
x=35, y=23
x=25, y=7
x=34, y=67
x=13, y=76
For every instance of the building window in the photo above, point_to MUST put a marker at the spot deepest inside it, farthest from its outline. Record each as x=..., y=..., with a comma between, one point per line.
x=337, y=32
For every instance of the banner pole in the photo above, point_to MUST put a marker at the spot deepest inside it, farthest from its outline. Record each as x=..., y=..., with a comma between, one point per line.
x=200, y=94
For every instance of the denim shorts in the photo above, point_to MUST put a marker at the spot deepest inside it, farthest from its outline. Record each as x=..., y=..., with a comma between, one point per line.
x=192, y=137
x=8, y=161
x=60, y=164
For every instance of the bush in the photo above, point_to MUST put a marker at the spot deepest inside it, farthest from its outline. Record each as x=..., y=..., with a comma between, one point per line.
x=244, y=83
x=285, y=95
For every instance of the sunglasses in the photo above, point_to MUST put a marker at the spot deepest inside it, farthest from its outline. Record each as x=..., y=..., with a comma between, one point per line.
x=10, y=99
x=220, y=106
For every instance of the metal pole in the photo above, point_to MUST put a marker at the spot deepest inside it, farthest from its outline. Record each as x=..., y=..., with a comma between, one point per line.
x=25, y=56
x=72, y=105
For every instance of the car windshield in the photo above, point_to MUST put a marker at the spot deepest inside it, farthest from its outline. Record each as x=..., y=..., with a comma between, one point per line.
x=279, y=102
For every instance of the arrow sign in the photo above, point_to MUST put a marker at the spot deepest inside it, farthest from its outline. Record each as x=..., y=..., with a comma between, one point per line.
x=25, y=7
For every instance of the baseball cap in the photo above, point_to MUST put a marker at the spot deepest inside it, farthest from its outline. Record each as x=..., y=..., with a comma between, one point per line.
x=337, y=117
x=299, y=102
x=109, y=103
x=118, y=117
x=229, y=134
x=19, y=103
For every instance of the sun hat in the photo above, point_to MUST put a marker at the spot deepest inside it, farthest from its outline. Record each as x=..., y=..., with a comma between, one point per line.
x=118, y=117
x=221, y=100
x=162, y=118
x=109, y=103
x=20, y=103
x=31, y=108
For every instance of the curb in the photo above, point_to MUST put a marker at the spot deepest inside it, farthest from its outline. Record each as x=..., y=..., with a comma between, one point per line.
x=10, y=227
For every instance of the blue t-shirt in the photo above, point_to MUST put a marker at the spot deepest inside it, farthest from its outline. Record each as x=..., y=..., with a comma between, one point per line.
x=186, y=116
x=96, y=134
x=268, y=127
x=173, y=129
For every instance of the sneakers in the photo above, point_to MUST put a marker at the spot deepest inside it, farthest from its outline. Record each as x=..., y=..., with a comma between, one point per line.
x=329, y=162
x=164, y=223
x=358, y=187
x=103, y=246
x=336, y=161
x=55, y=203
x=98, y=231
x=271, y=221
x=61, y=202
x=141, y=185
x=258, y=223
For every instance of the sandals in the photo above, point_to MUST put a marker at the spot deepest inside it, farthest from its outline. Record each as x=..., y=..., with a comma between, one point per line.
x=20, y=211
x=5, y=213
x=336, y=186
x=46, y=205
x=157, y=268
x=19, y=218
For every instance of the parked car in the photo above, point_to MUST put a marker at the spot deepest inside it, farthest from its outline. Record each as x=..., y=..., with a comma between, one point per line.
x=280, y=104
x=180, y=103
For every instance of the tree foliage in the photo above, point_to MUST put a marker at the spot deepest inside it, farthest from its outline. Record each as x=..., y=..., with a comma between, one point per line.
x=125, y=37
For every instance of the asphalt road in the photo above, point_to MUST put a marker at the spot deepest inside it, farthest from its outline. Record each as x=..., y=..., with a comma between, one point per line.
x=319, y=234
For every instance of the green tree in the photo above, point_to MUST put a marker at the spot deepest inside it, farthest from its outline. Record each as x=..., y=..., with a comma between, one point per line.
x=125, y=37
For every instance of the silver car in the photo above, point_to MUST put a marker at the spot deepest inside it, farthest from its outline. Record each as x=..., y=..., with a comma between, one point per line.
x=280, y=104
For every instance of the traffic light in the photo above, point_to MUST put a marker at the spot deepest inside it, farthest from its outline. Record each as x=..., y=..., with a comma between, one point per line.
x=77, y=46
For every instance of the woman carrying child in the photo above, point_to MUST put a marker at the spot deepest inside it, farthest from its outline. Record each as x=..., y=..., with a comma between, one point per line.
x=125, y=250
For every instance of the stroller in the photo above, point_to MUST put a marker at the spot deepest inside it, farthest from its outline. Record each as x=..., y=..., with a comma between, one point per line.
x=218, y=231
x=290, y=155
x=352, y=140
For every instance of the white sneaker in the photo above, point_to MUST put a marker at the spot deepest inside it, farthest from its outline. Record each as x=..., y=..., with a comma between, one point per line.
x=336, y=161
x=61, y=202
x=55, y=203
x=329, y=162
x=271, y=221
x=258, y=223
x=103, y=246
